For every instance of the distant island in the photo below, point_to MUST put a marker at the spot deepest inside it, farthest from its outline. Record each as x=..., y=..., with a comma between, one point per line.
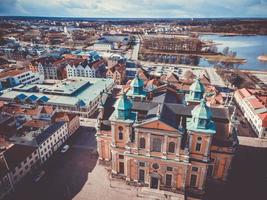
x=263, y=58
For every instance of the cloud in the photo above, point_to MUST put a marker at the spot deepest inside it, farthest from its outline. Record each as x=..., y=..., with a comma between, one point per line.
x=135, y=8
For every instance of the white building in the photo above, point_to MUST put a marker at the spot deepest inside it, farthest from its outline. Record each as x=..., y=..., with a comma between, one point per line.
x=21, y=159
x=103, y=46
x=51, y=139
x=15, y=77
x=80, y=71
x=253, y=109
x=48, y=71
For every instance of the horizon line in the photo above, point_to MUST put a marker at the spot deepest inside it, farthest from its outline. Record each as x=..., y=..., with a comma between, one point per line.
x=32, y=16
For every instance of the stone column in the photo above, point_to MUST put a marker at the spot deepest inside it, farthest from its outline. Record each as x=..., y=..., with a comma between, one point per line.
x=114, y=163
x=148, y=145
x=136, y=142
x=127, y=168
x=207, y=149
x=113, y=135
x=165, y=146
x=177, y=150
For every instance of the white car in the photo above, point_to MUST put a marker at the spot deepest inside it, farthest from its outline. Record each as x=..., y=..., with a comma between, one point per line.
x=39, y=176
x=65, y=148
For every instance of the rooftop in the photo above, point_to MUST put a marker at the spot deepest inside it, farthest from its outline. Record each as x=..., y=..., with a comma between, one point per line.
x=67, y=92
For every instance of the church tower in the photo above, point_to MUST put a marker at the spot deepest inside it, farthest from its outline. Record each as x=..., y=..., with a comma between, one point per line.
x=196, y=93
x=201, y=130
x=137, y=89
x=121, y=120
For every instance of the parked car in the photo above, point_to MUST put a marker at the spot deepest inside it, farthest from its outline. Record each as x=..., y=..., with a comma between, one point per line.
x=65, y=148
x=39, y=176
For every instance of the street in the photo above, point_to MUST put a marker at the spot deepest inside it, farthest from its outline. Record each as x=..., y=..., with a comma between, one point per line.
x=247, y=179
x=66, y=173
x=77, y=175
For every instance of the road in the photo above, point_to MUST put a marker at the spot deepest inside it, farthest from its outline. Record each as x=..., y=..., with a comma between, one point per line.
x=215, y=79
x=136, y=48
x=65, y=173
x=247, y=179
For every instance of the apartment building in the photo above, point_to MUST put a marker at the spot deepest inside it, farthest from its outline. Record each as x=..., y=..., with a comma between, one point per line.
x=21, y=159
x=85, y=69
x=49, y=140
x=6, y=185
x=15, y=77
x=253, y=104
x=72, y=120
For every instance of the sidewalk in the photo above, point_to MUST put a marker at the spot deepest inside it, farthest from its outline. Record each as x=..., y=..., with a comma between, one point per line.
x=252, y=142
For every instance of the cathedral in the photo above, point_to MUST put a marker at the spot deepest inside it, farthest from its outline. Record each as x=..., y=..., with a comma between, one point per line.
x=165, y=139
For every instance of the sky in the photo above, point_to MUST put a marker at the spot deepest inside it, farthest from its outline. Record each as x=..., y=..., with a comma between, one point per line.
x=135, y=8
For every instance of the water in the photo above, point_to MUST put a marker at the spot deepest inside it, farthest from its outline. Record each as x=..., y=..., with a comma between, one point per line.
x=248, y=47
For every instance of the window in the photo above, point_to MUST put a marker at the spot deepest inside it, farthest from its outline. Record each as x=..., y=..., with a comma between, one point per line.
x=121, y=157
x=193, y=180
x=132, y=135
x=142, y=143
x=198, y=147
x=168, y=180
x=195, y=169
x=171, y=147
x=155, y=166
x=156, y=145
x=120, y=133
x=141, y=175
x=121, y=167
x=169, y=169
x=142, y=164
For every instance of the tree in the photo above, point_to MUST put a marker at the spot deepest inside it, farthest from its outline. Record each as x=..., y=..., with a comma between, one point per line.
x=225, y=51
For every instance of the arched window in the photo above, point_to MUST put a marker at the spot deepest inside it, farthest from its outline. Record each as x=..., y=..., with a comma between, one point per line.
x=120, y=133
x=142, y=143
x=171, y=147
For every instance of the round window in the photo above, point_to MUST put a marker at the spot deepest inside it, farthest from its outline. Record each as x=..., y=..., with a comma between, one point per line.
x=155, y=165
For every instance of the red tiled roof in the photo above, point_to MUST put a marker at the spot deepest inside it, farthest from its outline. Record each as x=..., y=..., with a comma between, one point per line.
x=62, y=116
x=244, y=92
x=36, y=123
x=263, y=117
x=47, y=110
x=255, y=103
x=11, y=73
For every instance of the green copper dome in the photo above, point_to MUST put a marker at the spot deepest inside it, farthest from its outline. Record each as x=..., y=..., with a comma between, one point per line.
x=202, y=111
x=123, y=107
x=202, y=119
x=123, y=103
x=197, y=86
x=137, y=82
x=196, y=92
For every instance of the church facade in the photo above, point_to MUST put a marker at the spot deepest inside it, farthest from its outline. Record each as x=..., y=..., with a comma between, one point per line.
x=164, y=143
